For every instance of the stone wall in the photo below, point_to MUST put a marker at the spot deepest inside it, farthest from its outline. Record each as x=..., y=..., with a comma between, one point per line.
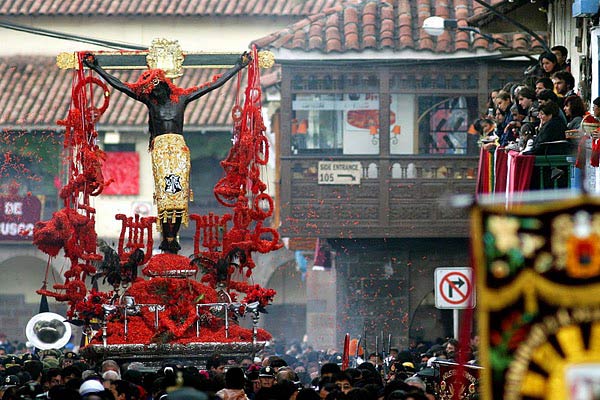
x=381, y=284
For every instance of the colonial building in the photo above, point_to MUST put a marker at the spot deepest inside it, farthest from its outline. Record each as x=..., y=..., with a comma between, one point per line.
x=374, y=142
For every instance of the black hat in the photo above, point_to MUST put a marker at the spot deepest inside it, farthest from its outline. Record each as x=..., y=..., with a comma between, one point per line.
x=69, y=355
x=12, y=380
x=11, y=360
x=29, y=357
x=267, y=372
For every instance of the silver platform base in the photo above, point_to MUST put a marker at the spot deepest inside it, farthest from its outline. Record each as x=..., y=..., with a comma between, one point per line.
x=153, y=356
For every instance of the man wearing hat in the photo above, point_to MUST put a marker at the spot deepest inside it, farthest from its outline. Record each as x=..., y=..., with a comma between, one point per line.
x=12, y=365
x=28, y=357
x=69, y=358
x=266, y=376
x=90, y=386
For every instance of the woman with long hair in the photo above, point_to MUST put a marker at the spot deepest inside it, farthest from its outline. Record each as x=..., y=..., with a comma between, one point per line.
x=574, y=110
x=549, y=64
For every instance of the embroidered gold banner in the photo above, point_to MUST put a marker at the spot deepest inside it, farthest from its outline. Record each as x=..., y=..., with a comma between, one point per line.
x=538, y=282
x=171, y=169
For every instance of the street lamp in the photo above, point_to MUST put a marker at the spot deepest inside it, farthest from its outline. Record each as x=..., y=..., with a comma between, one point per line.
x=435, y=26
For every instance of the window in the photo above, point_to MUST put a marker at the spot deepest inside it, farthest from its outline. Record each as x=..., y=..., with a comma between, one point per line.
x=443, y=123
x=335, y=123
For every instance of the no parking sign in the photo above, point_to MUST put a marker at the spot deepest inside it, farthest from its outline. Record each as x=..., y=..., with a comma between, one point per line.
x=454, y=288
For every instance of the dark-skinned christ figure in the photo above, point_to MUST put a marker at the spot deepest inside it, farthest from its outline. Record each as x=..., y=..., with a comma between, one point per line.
x=166, y=105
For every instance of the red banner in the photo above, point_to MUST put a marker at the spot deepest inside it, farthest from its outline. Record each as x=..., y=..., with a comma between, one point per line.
x=124, y=168
x=18, y=215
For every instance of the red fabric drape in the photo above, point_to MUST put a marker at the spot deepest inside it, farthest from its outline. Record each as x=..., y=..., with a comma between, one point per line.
x=484, y=172
x=519, y=176
x=500, y=170
x=521, y=170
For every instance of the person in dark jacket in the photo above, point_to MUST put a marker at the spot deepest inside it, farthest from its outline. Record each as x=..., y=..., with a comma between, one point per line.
x=552, y=129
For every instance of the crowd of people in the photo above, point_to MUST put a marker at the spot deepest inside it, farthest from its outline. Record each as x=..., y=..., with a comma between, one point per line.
x=296, y=372
x=536, y=115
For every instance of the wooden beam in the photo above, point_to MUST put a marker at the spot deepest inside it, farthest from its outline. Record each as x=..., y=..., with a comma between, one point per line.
x=137, y=60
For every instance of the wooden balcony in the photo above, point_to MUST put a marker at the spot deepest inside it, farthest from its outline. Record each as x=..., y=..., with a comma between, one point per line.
x=402, y=196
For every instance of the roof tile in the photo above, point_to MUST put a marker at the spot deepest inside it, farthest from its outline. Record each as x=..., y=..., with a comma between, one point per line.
x=286, y=8
x=377, y=28
x=34, y=92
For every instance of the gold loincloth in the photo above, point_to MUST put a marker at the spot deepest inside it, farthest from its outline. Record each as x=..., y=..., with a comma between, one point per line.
x=171, y=169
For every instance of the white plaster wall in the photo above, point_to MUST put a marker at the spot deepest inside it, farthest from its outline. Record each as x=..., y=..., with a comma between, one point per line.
x=194, y=34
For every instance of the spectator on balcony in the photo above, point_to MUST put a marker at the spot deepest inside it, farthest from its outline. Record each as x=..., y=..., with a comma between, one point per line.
x=543, y=84
x=549, y=64
x=564, y=84
x=596, y=107
x=548, y=96
x=552, y=129
x=528, y=100
x=562, y=55
x=574, y=110
x=492, y=102
x=528, y=107
x=504, y=117
x=527, y=133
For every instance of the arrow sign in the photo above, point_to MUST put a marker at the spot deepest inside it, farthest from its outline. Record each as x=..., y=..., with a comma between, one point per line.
x=454, y=288
x=455, y=284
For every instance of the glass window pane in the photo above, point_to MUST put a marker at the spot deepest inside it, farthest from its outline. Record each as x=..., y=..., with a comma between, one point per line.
x=335, y=124
x=402, y=121
x=443, y=123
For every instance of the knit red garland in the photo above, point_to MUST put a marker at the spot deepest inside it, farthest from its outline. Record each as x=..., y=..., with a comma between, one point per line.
x=152, y=77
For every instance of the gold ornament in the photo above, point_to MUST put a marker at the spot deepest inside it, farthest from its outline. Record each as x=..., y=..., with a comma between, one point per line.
x=266, y=59
x=166, y=55
x=66, y=61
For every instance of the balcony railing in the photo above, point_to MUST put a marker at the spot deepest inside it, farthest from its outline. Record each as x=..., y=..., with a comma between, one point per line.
x=507, y=174
x=398, y=196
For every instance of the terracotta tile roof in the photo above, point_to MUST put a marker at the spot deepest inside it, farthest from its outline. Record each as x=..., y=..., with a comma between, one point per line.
x=293, y=8
x=34, y=92
x=380, y=25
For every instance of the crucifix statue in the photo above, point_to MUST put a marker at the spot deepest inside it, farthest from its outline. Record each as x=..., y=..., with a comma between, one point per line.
x=166, y=105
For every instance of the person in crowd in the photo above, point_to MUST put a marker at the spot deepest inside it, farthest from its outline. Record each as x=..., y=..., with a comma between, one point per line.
x=564, y=84
x=574, y=110
x=596, y=107
x=526, y=135
x=110, y=365
x=549, y=64
x=562, y=57
x=503, y=118
x=491, y=106
x=266, y=376
x=543, y=84
x=552, y=129
x=234, y=385
x=548, y=96
x=343, y=381
x=528, y=101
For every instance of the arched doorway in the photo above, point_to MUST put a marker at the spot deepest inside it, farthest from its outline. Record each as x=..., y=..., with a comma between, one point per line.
x=286, y=317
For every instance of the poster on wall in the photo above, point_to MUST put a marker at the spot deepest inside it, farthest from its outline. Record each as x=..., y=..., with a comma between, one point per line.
x=361, y=123
x=448, y=127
